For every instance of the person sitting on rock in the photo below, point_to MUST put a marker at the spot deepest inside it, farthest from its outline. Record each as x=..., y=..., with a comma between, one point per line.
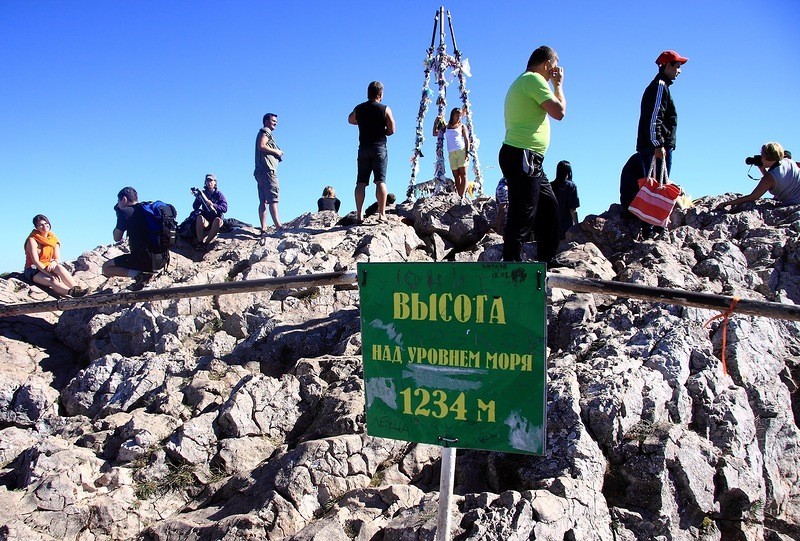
x=210, y=205
x=373, y=208
x=781, y=178
x=42, y=261
x=142, y=262
x=328, y=201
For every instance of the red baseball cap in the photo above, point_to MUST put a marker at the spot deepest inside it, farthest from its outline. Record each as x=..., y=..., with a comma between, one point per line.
x=667, y=57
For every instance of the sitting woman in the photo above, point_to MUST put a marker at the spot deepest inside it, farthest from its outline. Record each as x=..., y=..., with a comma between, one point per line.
x=328, y=201
x=42, y=255
x=209, y=208
x=781, y=178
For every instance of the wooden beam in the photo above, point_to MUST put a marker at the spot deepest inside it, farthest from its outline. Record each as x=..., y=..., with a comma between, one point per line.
x=201, y=290
x=583, y=285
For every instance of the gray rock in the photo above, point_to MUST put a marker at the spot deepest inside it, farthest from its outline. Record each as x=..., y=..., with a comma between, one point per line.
x=242, y=416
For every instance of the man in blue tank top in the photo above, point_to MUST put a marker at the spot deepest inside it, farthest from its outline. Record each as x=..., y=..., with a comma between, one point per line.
x=375, y=122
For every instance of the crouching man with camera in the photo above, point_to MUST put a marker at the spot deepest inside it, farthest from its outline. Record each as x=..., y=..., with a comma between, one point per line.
x=780, y=177
x=209, y=205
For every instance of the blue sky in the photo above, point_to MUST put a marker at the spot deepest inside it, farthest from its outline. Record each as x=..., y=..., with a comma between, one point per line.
x=98, y=95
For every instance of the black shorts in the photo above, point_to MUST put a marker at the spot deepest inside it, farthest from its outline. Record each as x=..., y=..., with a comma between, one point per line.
x=142, y=261
x=30, y=272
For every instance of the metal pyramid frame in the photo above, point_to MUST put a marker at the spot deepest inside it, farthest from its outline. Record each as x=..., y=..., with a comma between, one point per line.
x=439, y=63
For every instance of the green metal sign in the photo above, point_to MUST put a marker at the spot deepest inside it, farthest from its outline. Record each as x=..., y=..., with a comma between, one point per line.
x=454, y=353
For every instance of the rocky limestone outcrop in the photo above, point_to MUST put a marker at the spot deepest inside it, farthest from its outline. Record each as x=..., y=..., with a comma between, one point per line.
x=242, y=416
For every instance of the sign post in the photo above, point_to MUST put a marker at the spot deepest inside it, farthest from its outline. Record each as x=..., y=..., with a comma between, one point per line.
x=454, y=353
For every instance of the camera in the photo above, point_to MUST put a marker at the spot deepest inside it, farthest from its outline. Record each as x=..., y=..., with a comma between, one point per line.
x=753, y=160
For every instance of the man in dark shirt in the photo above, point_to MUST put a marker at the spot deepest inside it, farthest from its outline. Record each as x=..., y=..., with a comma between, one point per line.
x=131, y=218
x=658, y=122
x=375, y=122
x=211, y=205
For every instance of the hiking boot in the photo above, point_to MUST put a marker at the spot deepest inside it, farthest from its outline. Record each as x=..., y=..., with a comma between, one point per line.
x=77, y=291
x=139, y=282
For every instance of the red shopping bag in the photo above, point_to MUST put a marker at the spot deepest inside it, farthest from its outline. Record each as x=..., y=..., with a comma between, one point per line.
x=656, y=199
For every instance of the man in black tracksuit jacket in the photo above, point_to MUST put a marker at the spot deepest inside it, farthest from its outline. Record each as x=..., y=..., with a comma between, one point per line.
x=658, y=120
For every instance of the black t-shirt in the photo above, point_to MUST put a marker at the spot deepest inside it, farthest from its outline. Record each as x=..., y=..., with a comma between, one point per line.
x=132, y=220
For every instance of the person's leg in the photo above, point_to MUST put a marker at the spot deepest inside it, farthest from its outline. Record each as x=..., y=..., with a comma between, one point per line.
x=362, y=180
x=273, y=193
x=646, y=156
x=46, y=279
x=200, y=225
x=216, y=224
x=360, y=192
x=119, y=266
x=380, y=195
x=262, y=215
x=519, y=166
x=546, y=228
x=261, y=184
x=62, y=274
x=380, y=162
x=273, y=211
x=461, y=180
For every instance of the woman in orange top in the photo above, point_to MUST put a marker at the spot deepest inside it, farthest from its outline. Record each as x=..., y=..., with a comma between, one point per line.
x=42, y=255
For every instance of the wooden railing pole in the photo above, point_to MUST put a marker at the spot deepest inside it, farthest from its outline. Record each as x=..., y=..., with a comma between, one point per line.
x=675, y=296
x=584, y=285
x=200, y=290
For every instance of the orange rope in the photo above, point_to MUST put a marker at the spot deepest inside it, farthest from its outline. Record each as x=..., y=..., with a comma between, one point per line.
x=724, y=315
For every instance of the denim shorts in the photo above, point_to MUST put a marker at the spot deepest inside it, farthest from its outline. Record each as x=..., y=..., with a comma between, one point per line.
x=372, y=159
x=30, y=272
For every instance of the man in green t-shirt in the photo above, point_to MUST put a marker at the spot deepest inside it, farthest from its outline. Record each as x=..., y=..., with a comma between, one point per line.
x=532, y=205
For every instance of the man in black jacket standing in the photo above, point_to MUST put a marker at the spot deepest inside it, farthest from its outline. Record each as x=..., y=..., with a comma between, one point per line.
x=658, y=120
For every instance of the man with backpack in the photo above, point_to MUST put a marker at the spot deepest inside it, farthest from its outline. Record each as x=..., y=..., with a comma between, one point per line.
x=151, y=228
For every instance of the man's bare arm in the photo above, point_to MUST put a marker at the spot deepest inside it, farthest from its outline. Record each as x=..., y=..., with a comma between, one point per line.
x=389, y=122
x=264, y=147
x=557, y=106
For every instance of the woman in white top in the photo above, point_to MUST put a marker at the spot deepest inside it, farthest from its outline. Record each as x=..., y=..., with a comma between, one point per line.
x=781, y=177
x=457, y=147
